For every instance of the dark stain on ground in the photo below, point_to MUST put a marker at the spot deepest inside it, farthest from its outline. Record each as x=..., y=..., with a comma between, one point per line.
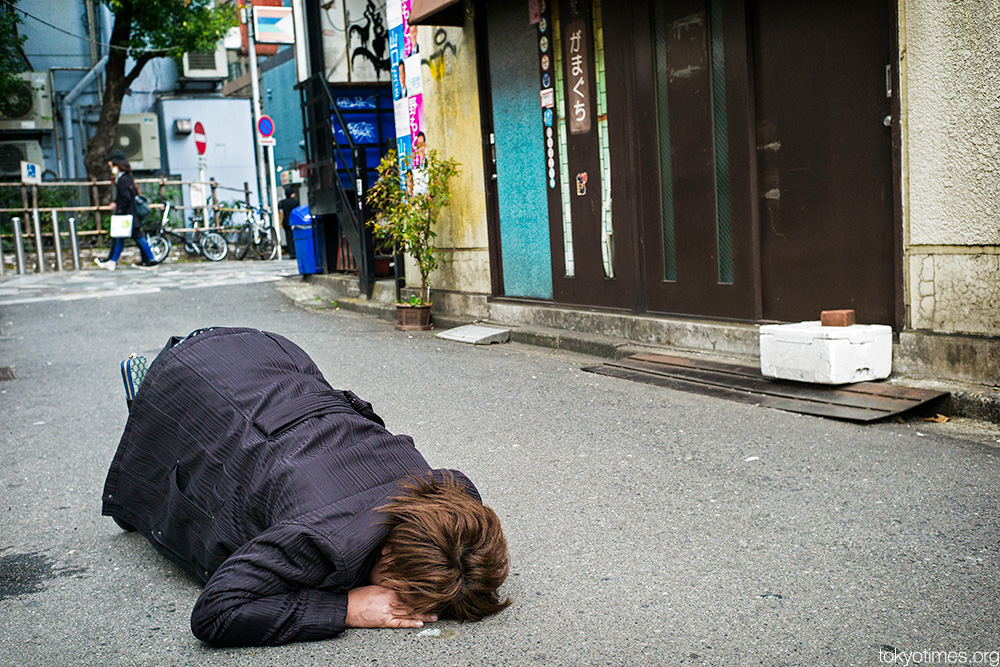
x=24, y=574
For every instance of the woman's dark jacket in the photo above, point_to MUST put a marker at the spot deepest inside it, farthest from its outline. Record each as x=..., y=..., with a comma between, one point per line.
x=240, y=463
x=125, y=191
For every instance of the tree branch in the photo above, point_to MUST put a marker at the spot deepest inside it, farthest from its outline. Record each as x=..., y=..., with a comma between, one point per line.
x=140, y=63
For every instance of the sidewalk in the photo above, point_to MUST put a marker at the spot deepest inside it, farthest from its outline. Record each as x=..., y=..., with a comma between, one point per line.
x=622, y=334
x=92, y=282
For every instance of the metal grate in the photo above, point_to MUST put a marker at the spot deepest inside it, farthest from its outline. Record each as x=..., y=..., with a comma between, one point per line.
x=201, y=60
x=860, y=402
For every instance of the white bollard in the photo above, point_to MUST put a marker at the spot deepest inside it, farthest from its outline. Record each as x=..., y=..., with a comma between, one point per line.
x=73, y=244
x=57, y=240
x=18, y=245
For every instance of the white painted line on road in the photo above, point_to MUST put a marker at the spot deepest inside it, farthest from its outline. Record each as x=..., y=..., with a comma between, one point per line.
x=77, y=297
x=223, y=282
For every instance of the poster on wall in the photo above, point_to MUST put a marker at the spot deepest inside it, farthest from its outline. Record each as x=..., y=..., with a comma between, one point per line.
x=407, y=95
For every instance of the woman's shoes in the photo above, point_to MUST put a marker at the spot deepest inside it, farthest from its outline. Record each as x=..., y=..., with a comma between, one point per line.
x=108, y=264
x=144, y=264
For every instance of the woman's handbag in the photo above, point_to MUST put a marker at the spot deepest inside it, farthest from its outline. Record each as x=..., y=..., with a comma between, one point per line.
x=121, y=226
x=141, y=206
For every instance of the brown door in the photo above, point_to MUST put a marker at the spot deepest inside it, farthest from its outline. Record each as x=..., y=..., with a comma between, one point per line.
x=766, y=170
x=824, y=155
x=698, y=240
x=590, y=240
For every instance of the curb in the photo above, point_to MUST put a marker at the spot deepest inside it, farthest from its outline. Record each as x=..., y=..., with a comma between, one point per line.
x=968, y=401
x=971, y=401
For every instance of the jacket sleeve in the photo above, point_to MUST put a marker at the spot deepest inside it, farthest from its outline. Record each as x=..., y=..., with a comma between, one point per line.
x=275, y=589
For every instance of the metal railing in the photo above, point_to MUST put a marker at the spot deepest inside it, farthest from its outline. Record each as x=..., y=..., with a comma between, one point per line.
x=47, y=218
x=324, y=151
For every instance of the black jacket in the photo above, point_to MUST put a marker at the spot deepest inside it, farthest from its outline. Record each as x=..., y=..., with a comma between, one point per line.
x=240, y=463
x=125, y=191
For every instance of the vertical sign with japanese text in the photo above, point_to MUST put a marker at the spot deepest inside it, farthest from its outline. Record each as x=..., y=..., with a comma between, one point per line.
x=578, y=76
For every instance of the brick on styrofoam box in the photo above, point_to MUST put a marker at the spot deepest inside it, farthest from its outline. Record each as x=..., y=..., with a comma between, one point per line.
x=810, y=352
x=837, y=318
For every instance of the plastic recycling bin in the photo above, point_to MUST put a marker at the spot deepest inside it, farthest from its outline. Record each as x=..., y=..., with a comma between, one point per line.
x=305, y=238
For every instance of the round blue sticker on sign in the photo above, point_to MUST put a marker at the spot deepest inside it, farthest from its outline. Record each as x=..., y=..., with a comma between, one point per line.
x=546, y=80
x=547, y=117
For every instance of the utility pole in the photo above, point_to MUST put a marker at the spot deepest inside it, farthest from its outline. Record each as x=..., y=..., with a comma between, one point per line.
x=301, y=53
x=247, y=18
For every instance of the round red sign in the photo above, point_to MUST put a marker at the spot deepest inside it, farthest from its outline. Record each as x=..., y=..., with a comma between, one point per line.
x=199, y=137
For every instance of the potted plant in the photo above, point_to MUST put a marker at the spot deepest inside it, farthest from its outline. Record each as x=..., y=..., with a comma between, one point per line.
x=407, y=209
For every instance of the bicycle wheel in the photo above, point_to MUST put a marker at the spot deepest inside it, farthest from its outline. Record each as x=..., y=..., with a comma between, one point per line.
x=243, y=241
x=214, y=246
x=159, y=245
x=268, y=246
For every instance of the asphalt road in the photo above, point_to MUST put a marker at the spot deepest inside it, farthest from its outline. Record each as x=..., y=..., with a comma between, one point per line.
x=646, y=526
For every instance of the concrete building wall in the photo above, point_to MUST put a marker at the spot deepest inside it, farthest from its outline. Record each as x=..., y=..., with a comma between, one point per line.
x=54, y=53
x=451, y=108
x=951, y=132
x=48, y=45
x=159, y=76
x=229, y=152
x=281, y=102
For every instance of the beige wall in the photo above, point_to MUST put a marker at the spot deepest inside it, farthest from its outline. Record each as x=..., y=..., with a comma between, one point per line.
x=451, y=116
x=950, y=70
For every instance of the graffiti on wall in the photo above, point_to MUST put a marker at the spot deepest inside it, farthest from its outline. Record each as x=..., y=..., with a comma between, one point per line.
x=355, y=41
x=373, y=37
x=439, y=61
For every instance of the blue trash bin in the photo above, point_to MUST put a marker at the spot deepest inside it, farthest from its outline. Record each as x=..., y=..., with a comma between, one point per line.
x=306, y=241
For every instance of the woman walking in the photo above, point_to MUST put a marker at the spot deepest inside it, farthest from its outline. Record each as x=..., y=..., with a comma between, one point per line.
x=124, y=204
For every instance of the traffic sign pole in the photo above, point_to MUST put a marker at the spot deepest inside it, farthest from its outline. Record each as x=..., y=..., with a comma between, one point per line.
x=275, y=227
x=201, y=144
x=265, y=131
x=255, y=105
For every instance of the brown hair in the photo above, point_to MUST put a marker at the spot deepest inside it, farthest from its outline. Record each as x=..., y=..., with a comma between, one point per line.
x=121, y=162
x=445, y=552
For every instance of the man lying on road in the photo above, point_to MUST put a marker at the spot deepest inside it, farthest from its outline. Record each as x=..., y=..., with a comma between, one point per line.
x=291, y=502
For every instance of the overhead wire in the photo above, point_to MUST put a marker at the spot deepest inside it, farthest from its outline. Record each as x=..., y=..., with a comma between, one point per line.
x=65, y=32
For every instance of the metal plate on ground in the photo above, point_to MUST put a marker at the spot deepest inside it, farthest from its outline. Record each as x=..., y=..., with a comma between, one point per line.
x=6, y=373
x=476, y=334
x=860, y=402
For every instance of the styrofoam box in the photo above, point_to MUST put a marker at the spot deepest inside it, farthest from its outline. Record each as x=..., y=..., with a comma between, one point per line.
x=810, y=352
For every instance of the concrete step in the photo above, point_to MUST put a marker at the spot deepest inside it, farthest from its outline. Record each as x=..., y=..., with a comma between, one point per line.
x=614, y=335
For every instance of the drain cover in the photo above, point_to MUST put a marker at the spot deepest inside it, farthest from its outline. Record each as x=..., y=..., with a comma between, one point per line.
x=476, y=334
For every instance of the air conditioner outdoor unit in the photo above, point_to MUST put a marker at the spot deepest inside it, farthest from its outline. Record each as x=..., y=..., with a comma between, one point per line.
x=12, y=152
x=29, y=106
x=138, y=137
x=206, y=66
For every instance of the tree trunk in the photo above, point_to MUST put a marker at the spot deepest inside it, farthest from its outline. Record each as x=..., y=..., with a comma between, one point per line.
x=96, y=160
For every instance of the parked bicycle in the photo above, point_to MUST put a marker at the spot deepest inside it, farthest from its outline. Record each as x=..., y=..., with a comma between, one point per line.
x=210, y=245
x=257, y=237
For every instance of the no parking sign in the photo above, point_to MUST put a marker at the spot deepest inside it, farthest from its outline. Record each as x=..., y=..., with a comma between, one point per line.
x=265, y=127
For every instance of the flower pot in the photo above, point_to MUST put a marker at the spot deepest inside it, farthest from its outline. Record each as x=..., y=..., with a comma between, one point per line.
x=413, y=318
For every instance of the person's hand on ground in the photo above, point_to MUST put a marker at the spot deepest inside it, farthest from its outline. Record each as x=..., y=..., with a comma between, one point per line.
x=378, y=607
